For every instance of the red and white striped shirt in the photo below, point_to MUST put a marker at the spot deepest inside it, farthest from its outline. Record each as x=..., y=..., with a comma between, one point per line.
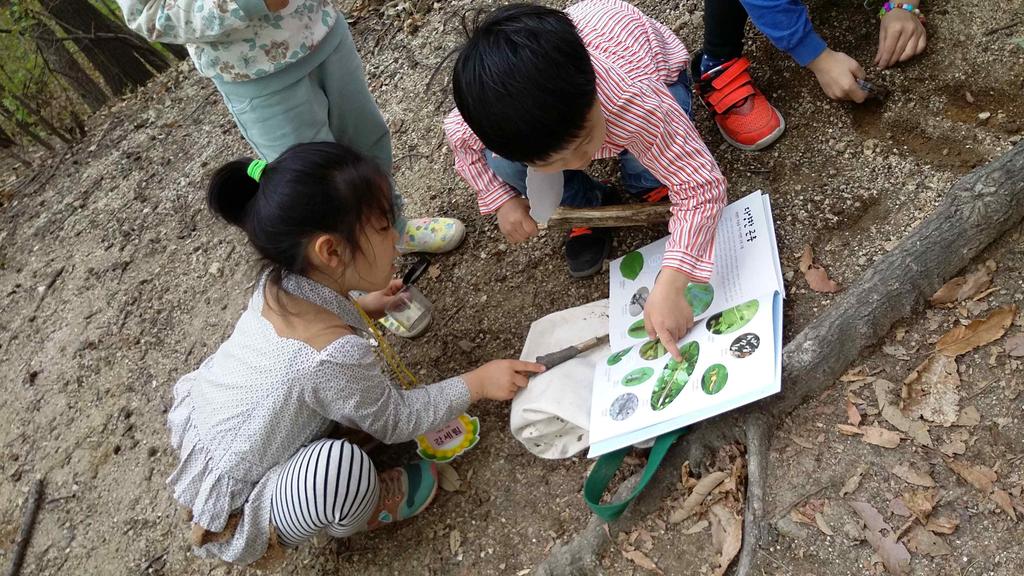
x=635, y=58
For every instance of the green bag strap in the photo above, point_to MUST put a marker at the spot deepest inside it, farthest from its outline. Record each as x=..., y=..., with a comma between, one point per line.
x=606, y=467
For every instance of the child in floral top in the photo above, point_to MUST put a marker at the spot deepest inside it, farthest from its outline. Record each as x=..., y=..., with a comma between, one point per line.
x=289, y=73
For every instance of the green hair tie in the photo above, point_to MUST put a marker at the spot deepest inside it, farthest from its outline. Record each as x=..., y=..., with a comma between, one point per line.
x=255, y=169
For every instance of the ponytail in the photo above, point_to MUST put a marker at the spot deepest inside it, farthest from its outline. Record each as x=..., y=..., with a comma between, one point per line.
x=231, y=192
x=313, y=188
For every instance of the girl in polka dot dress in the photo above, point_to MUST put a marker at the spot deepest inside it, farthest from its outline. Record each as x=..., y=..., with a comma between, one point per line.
x=255, y=470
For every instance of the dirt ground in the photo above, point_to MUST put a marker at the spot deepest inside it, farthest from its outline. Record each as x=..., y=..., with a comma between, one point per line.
x=145, y=285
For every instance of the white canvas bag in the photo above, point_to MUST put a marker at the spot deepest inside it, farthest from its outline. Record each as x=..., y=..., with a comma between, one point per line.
x=551, y=416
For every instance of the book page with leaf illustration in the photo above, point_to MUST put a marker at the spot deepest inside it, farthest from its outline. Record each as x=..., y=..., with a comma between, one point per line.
x=731, y=357
x=746, y=266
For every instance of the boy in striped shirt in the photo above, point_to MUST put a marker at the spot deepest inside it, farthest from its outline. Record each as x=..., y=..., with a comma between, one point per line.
x=550, y=90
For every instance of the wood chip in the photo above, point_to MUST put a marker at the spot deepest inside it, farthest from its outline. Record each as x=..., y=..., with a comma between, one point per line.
x=963, y=339
x=1001, y=498
x=697, y=496
x=904, y=472
x=942, y=525
x=880, y=437
x=880, y=535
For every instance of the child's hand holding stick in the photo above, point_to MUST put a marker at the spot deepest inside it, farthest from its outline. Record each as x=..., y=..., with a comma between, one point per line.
x=667, y=316
x=500, y=379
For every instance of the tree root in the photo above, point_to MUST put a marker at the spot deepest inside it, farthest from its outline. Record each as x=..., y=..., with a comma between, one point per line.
x=978, y=209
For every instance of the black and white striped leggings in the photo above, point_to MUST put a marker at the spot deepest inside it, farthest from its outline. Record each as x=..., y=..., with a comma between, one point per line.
x=329, y=484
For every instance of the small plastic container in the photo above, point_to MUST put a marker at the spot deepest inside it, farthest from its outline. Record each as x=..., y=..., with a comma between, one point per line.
x=411, y=309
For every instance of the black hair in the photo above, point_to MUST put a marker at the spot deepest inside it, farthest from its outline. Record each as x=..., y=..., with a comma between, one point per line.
x=524, y=83
x=311, y=189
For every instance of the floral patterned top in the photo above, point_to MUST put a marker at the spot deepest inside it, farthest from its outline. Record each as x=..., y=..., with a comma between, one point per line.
x=234, y=40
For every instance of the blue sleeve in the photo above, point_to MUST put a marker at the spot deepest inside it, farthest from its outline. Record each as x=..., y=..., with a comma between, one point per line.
x=787, y=24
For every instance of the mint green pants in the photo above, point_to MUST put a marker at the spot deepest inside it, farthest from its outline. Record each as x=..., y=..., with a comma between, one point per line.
x=311, y=101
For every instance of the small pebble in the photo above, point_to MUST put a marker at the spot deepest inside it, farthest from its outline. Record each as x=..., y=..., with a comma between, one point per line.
x=984, y=115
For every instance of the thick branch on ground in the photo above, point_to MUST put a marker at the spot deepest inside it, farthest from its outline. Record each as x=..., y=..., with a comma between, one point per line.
x=977, y=210
x=612, y=216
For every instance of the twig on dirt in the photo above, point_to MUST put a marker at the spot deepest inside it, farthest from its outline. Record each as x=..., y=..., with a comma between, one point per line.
x=409, y=155
x=1006, y=26
x=59, y=499
x=200, y=105
x=153, y=560
x=754, y=170
x=46, y=287
x=982, y=389
x=785, y=509
x=28, y=521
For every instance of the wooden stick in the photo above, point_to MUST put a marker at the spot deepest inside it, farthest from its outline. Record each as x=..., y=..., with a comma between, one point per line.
x=612, y=216
x=28, y=521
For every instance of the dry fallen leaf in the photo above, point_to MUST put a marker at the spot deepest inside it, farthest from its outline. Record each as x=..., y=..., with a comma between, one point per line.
x=852, y=414
x=911, y=476
x=853, y=482
x=819, y=521
x=448, y=478
x=726, y=535
x=1001, y=498
x=969, y=416
x=953, y=447
x=942, y=525
x=880, y=437
x=898, y=507
x=698, y=527
x=917, y=430
x=1015, y=345
x=932, y=391
x=962, y=339
x=697, y=495
x=894, y=555
x=454, y=541
x=640, y=559
x=981, y=477
x=922, y=541
x=921, y=503
x=816, y=276
x=964, y=287
x=849, y=430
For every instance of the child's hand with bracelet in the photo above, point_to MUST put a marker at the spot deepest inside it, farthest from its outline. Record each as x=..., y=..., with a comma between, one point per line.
x=901, y=35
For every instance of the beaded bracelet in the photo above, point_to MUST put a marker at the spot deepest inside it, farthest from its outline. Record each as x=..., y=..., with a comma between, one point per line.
x=890, y=6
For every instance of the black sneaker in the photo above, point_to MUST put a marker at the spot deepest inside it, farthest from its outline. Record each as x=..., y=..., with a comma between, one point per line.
x=586, y=250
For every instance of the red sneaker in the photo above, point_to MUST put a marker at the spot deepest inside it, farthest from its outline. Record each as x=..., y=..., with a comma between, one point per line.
x=744, y=116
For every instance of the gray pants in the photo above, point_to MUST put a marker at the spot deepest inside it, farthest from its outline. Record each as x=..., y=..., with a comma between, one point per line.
x=332, y=103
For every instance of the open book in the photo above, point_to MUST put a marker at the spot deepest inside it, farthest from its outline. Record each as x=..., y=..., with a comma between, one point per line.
x=731, y=357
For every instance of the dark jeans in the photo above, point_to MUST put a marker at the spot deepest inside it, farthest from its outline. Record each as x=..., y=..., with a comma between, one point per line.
x=724, y=21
